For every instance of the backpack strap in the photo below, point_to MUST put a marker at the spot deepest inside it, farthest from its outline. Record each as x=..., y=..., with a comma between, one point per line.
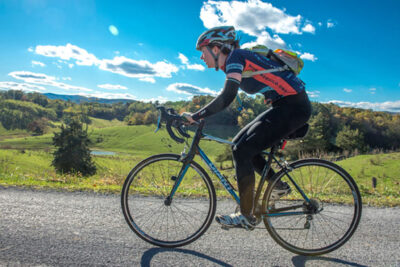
x=248, y=74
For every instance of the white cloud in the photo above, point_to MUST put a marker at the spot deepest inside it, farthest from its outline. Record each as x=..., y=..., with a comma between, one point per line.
x=160, y=99
x=320, y=24
x=188, y=89
x=313, y=94
x=68, y=52
x=106, y=95
x=254, y=18
x=347, y=90
x=251, y=17
x=308, y=56
x=148, y=79
x=112, y=86
x=195, y=67
x=66, y=78
x=43, y=79
x=330, y=24
x=138, y=68
x=308, y=28
x=392, y=106
x=185, y=61
x=266, y=39
x=183, y=58
x=38, y=63
x=21, y=86
x=114, y=31
x=141, y=69
x=372, y=91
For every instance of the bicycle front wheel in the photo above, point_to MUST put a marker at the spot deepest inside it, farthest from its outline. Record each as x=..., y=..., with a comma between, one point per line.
x=320, y=214
x=156, y=220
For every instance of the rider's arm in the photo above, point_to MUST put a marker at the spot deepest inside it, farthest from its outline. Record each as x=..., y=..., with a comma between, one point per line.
x=223, y=100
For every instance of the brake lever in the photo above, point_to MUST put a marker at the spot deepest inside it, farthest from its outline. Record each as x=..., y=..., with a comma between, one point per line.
x=182, y=132
x=172, y=134
x=158, y=123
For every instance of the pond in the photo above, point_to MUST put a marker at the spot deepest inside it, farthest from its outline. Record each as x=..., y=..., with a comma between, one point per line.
x=102, y=153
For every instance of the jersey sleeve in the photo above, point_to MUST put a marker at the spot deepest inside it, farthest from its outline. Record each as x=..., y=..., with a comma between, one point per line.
x=234, y=63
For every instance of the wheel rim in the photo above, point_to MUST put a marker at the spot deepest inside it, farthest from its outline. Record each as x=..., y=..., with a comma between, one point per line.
x=331, y=218
x=157, y=221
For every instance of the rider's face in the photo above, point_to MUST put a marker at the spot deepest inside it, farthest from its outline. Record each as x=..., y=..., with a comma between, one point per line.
x=207, y=57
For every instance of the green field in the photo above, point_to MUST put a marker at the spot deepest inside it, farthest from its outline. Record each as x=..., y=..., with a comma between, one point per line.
x=26, y=161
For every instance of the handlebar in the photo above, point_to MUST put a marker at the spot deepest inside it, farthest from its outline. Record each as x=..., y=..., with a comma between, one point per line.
x=171, y=118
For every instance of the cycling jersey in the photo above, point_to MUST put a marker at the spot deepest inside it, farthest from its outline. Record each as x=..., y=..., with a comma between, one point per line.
x=273, y=85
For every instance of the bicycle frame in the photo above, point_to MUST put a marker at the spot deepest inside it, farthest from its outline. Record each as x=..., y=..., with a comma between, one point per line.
x=222, y=179
x=186, y=159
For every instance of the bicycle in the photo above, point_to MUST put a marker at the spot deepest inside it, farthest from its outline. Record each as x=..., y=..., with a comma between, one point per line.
x=169, y=200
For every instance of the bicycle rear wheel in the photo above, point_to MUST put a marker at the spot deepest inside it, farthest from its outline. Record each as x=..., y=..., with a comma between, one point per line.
x=324, y=223
x=158, y=222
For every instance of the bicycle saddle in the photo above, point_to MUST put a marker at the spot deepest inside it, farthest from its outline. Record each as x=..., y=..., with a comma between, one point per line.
x=299, y=133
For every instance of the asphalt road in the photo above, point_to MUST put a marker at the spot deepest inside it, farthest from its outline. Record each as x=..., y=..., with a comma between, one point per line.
x=48, y=228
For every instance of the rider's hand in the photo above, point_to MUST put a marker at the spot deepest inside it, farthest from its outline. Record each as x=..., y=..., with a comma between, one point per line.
x=188, y=117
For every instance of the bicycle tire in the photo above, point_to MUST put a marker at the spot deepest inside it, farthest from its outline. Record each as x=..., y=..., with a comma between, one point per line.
x=160, y=170
x=341, y=202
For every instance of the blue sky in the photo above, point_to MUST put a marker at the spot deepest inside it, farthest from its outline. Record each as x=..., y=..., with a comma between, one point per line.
x=145, y=50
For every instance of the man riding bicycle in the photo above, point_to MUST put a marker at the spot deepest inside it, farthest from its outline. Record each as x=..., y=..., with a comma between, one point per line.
x=290, y=109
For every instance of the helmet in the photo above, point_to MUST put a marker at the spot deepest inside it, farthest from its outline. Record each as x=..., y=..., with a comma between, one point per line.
x=218, y=35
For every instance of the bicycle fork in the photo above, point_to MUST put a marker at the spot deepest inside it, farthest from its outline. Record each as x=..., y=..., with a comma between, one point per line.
x=178, y=180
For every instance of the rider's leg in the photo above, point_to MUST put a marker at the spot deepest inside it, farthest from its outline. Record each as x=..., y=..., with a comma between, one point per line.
x=256, y=136
x=265, y=130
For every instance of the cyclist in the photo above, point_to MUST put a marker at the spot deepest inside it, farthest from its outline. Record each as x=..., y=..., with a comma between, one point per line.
x=290, y=109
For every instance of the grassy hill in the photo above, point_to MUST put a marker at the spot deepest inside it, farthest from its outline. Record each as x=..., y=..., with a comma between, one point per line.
x=118, y=137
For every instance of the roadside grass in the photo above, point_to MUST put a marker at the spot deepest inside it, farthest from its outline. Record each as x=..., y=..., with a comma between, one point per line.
x=384, y=169
x=33, y=169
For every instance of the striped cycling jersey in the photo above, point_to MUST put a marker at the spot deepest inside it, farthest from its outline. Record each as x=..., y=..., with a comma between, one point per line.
x=273, y=85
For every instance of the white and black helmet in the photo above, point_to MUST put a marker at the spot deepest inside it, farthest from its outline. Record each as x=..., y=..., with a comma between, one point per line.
x=224, y=35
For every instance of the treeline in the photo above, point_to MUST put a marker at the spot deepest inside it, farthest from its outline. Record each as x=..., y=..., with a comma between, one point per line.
x=336, y=129
x=332, y=128
x=34, y=111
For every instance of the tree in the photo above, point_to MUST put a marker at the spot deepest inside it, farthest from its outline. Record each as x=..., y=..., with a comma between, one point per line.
x=349, y=139
x=73, y=154
x=150, y=117
x=136, y=119
x=38, y=126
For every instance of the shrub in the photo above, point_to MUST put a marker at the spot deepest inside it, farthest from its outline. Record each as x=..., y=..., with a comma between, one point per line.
x=73, y=154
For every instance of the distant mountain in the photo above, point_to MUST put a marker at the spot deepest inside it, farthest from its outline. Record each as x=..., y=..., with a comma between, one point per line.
x=81, y=99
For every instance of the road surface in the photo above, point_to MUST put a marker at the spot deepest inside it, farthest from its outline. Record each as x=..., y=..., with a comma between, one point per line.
x=49, y=228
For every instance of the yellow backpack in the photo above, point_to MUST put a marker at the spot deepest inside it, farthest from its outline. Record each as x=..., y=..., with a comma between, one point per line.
x=289, y=60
